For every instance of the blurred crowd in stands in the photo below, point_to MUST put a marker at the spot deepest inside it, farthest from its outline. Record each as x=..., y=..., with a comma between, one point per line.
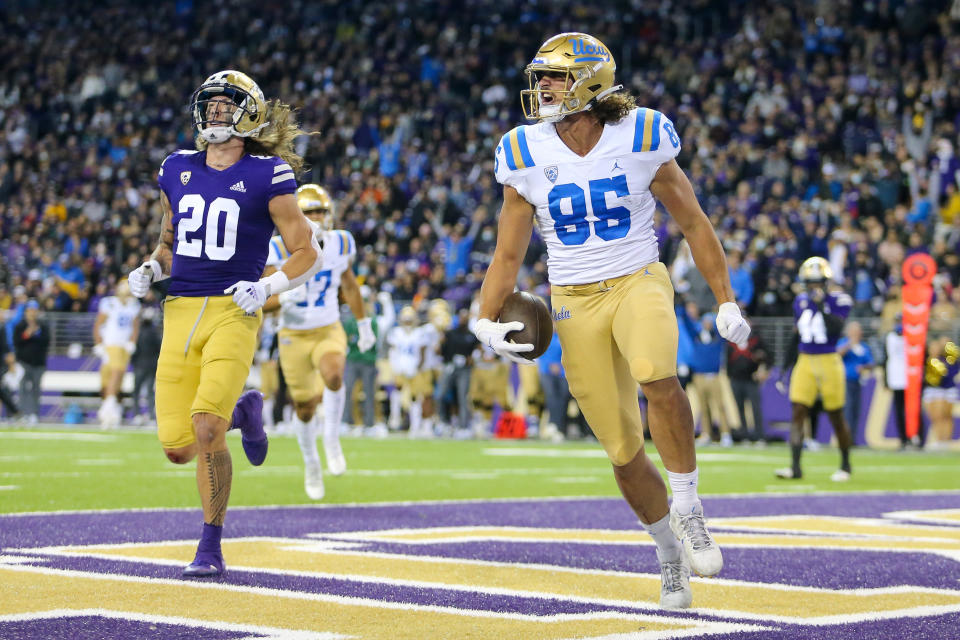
x=818, y=128
x=822, y=128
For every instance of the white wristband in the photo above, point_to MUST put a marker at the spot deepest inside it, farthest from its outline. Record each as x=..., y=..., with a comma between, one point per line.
x=276, y=282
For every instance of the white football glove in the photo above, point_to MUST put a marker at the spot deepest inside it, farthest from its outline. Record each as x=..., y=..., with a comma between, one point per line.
x=731, y=325
x=130, y=347
x=367, y=339
x=100, y=351
x=143, y=276
x=492, y=334
x=249, y=296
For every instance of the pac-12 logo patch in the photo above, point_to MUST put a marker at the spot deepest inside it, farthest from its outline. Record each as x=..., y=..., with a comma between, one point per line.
x=185, y=176
x=551, y=172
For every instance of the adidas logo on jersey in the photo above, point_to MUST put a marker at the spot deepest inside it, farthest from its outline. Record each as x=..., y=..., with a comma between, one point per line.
x=239, y=187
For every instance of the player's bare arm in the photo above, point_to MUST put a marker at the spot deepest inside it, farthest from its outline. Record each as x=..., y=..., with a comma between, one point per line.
x=163, y=254
x=273, y=302
x=351, y=294
x=298, y=238
x=672, y=188
x=513, y=237
x=101, y=318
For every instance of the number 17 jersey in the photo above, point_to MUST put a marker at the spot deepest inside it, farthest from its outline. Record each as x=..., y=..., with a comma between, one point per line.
x=221, y=219
x=594, y=212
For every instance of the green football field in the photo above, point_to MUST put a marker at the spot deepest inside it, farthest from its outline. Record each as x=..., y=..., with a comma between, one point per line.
x=54, y=470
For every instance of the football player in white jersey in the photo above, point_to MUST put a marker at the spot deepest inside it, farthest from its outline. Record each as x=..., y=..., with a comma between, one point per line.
x=312, y=341
x=115, y=338
x=407, y=362
x=589, y=174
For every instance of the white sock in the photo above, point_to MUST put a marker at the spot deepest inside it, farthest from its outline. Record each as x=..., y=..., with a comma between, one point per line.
x=268, y=412
x=415, y=413
x=395, y=400
x=668, y=547
x=684, y=489
x=307, y=437
x=428, y=427
x=332, y=411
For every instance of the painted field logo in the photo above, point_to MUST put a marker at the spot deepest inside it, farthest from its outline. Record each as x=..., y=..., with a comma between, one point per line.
x=502, y=569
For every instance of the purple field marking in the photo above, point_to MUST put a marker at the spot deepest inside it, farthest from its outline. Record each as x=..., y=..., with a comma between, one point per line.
x=943, y=627
x=103, y=628
x=294, y=522
x=822, y=568
x=441, y=597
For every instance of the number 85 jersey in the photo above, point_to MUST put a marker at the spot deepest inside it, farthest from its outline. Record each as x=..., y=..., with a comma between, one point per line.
x=594, y=212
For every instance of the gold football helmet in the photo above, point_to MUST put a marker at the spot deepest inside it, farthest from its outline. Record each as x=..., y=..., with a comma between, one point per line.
x=243, y=114
x=316, y=204
x=815, y=270
x=587, y=66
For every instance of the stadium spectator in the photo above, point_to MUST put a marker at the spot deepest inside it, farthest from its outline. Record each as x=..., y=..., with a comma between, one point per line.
x=31, y=340
x=747, y=370
x=7, y=360
x=556, y=391
x=144, y=360
x=857, y=361
x=706, y=357
x=457, y=350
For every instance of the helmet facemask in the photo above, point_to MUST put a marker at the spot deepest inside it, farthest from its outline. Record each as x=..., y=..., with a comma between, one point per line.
x=217, y=119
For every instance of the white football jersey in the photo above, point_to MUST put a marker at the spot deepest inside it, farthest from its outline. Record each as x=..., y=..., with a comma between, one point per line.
x=406, y=344
x=319, y=304
x=117, y=330
x=595, y=213
x=430, y=336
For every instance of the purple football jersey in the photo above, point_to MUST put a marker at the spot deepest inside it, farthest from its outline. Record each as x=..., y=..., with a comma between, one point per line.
x=811, y=324
x=221, y=219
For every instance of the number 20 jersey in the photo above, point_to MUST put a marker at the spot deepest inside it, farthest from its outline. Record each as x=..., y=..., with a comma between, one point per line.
x=221, y=219
x=594, y=212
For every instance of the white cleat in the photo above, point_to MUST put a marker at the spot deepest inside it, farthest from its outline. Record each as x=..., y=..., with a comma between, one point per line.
x=701, y=550
x=840, y=475
x=313, y=482
x=675, y=584
x=336, y=463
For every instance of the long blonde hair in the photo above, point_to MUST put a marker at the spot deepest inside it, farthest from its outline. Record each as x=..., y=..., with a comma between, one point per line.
x=276, y=138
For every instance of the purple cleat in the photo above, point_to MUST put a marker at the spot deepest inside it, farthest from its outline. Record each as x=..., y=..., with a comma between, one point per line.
x=206, y=564
x=248, y=417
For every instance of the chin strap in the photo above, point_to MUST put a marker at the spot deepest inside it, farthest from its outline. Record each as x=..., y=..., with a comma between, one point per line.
x=603, y=94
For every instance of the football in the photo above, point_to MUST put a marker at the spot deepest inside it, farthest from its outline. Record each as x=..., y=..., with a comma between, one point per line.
x=533, y=312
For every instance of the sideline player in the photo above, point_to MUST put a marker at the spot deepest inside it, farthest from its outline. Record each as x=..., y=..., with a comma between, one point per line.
x=588, y=174
x=311, y=339
x=115, y=338
x=220, y=205
x=820, y=316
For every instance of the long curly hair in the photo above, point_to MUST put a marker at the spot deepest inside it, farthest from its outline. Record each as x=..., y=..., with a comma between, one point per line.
x=275, y=139
x=613, y=108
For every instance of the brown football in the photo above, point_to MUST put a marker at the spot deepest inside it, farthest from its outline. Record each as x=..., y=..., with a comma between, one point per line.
x=533, y=312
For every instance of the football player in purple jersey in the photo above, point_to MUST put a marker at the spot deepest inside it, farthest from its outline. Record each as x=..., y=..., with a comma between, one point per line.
x=820, y=315
x=220, y=206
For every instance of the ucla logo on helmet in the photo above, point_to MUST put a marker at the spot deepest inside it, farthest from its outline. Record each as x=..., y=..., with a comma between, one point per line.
x=581, y=48
x=185, y=176
x=552, y=173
